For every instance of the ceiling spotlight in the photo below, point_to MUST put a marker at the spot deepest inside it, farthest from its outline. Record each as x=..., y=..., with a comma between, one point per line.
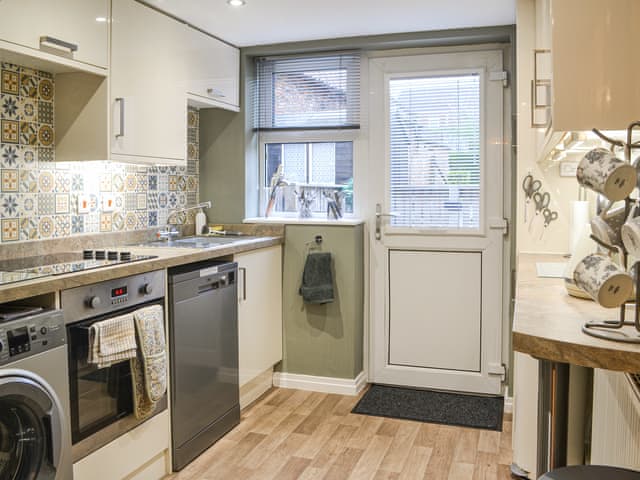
x=101, y=19
x=236, y=3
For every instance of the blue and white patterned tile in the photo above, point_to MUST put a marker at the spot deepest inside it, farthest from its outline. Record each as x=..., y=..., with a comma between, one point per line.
x=130, y=201
x=92, y=223
x=163, y=200
x=27, y=204
x=77, y=224
x=45, y=227
x=9, y=205
x=9, y=155
x=46, y=204
x=9, y=106
x=46, y=158
x=77, y=182
x=153, y=218
x=28, y=181
x=152, y=200
x=142, y=219
x=118, y=221
x=63, y=181
x=62, y=203
x=142, y=182
x=173, y=200
x=163, y=214
x=141, y=201
x=28, y=157
x=28, y=110
x=62, y=225
x=105, y=182
x=29, y=228
x=46, y=181
x=153, y=182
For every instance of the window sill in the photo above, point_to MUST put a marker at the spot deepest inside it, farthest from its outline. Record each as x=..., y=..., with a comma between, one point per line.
x=305, y=221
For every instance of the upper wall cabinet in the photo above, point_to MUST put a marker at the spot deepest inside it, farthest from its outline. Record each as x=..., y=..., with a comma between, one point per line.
x=74, y=30
x=593, y=78
x=213, y=71
x=148, y=85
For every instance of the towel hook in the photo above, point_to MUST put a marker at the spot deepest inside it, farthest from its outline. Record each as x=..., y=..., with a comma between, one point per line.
x=315, y=243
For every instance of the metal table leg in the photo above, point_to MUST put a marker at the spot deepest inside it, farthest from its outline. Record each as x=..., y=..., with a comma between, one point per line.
x=553, y=404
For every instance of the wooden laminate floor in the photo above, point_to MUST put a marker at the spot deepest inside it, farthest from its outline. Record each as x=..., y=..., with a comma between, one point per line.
x=293, y=434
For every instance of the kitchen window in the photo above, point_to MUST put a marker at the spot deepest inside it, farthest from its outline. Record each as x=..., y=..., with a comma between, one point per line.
x=307, y=115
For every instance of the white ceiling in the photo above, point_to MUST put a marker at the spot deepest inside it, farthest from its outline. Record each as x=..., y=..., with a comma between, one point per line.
x=261, y=22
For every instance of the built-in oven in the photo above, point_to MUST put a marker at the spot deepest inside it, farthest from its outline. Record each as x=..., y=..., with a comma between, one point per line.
x=102, y=398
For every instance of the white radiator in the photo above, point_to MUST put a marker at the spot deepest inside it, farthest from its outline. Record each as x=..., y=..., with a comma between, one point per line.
x=615, y=438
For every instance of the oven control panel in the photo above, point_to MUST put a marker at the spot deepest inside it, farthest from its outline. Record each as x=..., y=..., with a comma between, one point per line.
x=31, y=335
x=112, y=295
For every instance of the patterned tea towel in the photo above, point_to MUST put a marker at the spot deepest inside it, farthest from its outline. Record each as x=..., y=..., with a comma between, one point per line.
x=112, y=341
x=149, y=368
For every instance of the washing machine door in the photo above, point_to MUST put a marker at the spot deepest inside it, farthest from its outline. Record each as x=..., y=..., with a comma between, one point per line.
x=30, y=430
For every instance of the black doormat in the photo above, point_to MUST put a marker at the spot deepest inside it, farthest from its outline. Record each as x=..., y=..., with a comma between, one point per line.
x=431, y=406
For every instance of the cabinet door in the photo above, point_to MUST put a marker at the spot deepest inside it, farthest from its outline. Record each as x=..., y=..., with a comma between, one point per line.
x=213, y=69
x=595, y=80
x=259, y=311
x=148, y=101
x=82, y=23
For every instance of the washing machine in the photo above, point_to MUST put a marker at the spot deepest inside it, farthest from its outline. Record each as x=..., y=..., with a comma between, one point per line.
x=35, y=441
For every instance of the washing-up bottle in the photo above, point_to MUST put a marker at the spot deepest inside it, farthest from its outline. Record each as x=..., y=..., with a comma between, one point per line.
x=201, y=221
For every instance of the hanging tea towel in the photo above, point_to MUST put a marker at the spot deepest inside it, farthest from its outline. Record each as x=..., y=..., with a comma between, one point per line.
x=317, y=280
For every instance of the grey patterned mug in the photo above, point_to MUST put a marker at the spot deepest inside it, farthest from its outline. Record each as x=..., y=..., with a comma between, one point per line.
x=606, y=226
x=603, y=280
x=630, y=234
x=601, y=171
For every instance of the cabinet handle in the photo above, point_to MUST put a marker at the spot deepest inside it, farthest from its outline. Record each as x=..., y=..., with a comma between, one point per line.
x=120, y=133
x=214, y=92
x=244, y=282
x=535, y=83
x=46, y=39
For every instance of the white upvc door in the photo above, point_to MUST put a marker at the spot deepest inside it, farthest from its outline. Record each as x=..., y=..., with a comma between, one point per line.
x=436, y=276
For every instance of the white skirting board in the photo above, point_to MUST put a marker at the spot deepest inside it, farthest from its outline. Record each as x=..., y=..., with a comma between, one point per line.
x=340, y=386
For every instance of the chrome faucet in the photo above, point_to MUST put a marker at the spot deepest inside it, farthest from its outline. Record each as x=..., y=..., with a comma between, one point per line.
x=170, y=231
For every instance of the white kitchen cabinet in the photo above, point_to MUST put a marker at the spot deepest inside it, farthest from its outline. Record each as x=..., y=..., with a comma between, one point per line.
x=213, y=71
x=593, y=80
x=77, y=29
x=259, y=311
x=148, y=101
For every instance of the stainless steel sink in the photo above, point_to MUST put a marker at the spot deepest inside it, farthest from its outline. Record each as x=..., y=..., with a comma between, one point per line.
x=196, y=242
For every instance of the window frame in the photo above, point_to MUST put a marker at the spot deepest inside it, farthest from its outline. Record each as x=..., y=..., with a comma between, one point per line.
x=302, y=136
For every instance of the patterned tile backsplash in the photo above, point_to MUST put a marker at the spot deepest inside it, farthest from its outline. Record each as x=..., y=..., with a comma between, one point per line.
x=39, y=196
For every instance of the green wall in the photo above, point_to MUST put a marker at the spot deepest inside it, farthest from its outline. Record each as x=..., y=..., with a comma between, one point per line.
x=324, y=340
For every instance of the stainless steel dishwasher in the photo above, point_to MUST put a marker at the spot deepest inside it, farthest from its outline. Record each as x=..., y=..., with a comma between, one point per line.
x=203, y=323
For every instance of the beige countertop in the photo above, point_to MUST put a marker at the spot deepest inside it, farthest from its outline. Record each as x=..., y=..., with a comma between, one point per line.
x=547, y=323
x=166, y=258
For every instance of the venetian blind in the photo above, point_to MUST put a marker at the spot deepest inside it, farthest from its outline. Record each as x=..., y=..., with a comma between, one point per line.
x=434, y=133
x=308, y=92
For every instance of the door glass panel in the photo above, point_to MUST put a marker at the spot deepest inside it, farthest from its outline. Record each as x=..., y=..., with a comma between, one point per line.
x=434, y=147
x=22, y=440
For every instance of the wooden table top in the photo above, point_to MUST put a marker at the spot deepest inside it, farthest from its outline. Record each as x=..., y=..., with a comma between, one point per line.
x=547, y=323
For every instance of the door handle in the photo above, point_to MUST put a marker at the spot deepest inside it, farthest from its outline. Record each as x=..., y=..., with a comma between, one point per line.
x=120, y=133
x=379, y=216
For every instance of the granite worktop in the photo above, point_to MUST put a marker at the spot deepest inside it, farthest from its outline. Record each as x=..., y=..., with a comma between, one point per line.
x=165, y=258
x=547, y=322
